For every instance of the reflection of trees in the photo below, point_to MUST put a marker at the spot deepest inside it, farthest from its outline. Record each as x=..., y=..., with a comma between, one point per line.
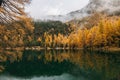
x=9, y=56
x=89, y=65
x=38, y=68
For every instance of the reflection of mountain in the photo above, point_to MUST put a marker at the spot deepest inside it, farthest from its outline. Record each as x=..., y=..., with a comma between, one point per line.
x=49, y=63
x=110, y=7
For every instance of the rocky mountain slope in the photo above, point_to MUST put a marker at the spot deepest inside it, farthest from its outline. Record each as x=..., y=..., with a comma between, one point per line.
x=110, y=7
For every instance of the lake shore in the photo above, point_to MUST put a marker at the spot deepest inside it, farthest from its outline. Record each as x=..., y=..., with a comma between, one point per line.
x=38, y=48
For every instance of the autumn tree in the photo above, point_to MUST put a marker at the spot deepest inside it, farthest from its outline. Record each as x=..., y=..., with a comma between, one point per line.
x=11, y=10
x=16, y=34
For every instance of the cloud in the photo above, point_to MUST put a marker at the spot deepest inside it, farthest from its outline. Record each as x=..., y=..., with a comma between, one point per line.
x=53, y=10
x=40, y=8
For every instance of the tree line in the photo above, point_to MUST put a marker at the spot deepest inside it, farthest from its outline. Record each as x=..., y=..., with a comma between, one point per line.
x=105, y=34
x=56, y=34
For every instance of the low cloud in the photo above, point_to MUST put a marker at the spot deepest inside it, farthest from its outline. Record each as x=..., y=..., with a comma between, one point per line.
x=41, y=8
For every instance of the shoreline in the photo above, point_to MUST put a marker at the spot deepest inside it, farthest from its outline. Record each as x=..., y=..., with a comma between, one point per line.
x=38, y=48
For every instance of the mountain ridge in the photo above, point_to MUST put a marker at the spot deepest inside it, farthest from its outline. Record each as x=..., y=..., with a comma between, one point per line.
x=109, y=7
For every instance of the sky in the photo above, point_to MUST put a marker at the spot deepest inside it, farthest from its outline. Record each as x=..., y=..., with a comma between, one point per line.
x=41, y=8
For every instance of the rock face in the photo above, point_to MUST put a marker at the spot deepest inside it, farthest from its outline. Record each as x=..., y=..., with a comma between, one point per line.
x=107, y=6
x=110, y=7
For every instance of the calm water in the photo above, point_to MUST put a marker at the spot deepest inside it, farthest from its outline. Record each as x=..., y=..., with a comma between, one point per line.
x=59, y=65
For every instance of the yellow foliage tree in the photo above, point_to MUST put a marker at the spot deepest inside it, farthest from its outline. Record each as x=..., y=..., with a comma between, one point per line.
x=11, y=10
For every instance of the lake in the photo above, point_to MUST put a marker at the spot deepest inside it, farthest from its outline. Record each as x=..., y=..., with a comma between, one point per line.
x=59, y=65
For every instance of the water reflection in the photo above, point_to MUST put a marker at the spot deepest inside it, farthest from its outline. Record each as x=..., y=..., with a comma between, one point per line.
x=61, y=77
x=52, y=64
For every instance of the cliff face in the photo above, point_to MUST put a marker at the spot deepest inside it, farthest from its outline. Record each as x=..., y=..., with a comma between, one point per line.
x=110, y=7
x=107, y=6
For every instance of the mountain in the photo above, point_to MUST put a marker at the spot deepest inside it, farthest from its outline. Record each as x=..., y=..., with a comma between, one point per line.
x=110, y=7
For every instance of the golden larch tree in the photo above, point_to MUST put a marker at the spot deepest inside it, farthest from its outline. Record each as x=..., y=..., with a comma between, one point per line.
x=11, y=10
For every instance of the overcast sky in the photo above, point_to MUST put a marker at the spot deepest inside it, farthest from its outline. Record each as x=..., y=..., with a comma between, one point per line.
x=41, y=8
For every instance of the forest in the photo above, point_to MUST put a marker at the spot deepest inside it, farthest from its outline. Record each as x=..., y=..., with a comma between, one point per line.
x=106, y=33
x=55, y=34
x=97, y=31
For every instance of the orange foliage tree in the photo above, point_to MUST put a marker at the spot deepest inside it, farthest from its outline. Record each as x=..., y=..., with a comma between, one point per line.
x=11, y=10
x=105, y=34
